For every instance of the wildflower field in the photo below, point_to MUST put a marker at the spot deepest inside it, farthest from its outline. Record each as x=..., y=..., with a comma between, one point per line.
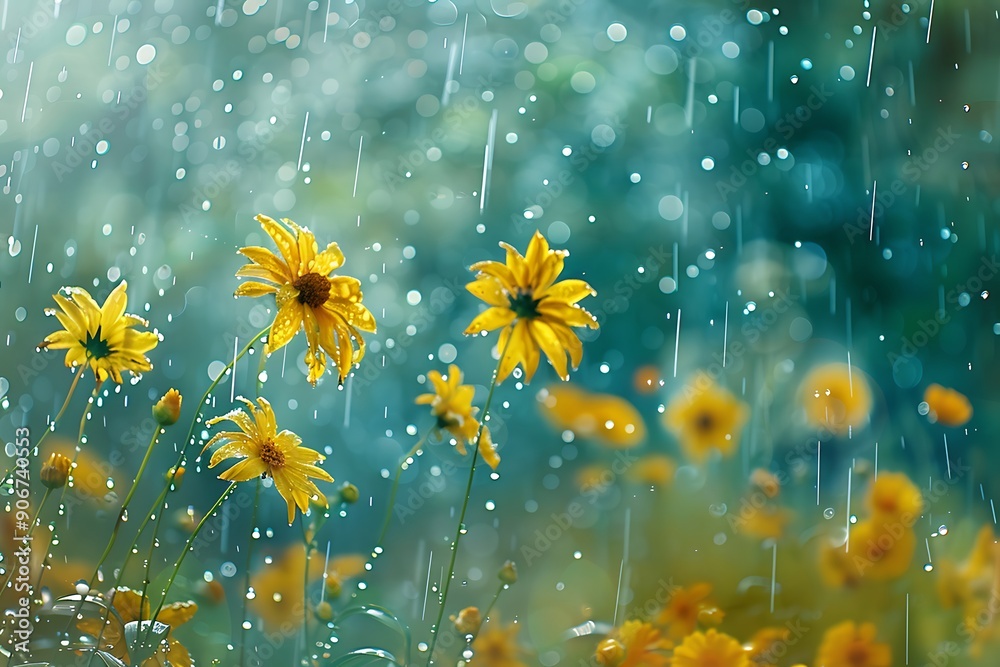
x=499, y=333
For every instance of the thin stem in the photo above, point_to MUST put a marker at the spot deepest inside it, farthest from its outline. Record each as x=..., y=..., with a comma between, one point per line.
x=124, y=510
x=395, y=485
x=493, y=602
x=305, y=590
x=465, y=506
x=72, y=388
x=27, y=537
x=187, y=548
x=246, y=587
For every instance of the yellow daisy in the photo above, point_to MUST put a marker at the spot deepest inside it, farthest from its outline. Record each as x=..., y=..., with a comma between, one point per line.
x=882, y=549
x=131, y=607
x=947, y=406
x=307, y=295
x=849, y=645
x=451, y=403
x=610, y=419
x=102, y=337
x=642, y=646
x=710, y=649
x=536, y=312
x=706, y=416
x=894, y=497
x=836, y=397
x=267, y=453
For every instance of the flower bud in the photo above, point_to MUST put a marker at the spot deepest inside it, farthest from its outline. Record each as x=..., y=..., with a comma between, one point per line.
x=55, y=471
x=333, y=586
x=610, y=653
x=168, y=409
x=468, y=620
x=508, y=573
x=324, y=611
x=175, y=476
x=349, y=493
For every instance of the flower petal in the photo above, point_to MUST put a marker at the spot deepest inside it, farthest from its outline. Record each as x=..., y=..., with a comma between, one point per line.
x=253, y=288
x=327, y=261
x=245, y=470
x=287, y=323
x=568, y=291
x=546, y=338
x=490, y=319
x=284, y=240
x=489, y=290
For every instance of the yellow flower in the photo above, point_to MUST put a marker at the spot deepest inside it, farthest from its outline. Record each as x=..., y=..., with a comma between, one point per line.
x=705, y=417
x=642, y=643
x=894, y=497
x=761, y=647
x=836, y=397
x=468, y=620
x=536, y=312
x=767, y=522
x=128, y=604
x=307, y=295
x=101, y=336
x=605, y=417
x=882, y=548
x=849, y=645
x=267, y=453
x=710, y=649
x=653, y=469
x=835, y=566
x=167, y=410
x=497, y=646
x=973, y=581
x=766, y=481
x=451, y=403
x=683, y=608
x=947, y=406
x=610, y=653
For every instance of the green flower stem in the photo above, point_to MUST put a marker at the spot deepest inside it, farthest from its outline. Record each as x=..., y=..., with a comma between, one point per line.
x=305, y=591
x=395, y=485
x=246, y=587
x=465, y=506
x=31, y=527
x=124, y=510
x=69, y=395
x=493, y=602
x=187, y=548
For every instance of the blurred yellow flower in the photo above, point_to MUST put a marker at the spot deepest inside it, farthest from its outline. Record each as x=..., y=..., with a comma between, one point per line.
x=496, y=646
x=705, y=416
x=593, y=476
x=468, y=620
x=605, y=417
x=451, y=403
x=102, y=337
x=892, y=496
x=710, y=649
x=653, y=469
x=132, y=607
x=647, y=379
x=767, y=522
x=766, y=481
x=836, y=567
x=536, y=312
x=836, y=396
x=642, y=643
x=882, y=549
x=973, y=581
x=947, y=406
x=681, y=613
x=307, y=296
x=267, y=453
x=849, y=645
x=761, y=649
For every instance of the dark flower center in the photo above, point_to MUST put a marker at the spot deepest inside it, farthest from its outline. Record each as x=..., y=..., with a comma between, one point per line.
x=704, y=422
x=523, y=305
x=314, y=289
x=97, y=347
x=271, y=455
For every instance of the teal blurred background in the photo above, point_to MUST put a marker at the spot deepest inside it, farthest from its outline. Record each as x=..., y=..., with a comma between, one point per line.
x=699, y=160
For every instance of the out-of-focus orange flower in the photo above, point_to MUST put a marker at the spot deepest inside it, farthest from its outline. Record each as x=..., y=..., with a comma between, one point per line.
x=766, y=481
x=947, y=406
x=893, y=497
x=653, y=469
x=761, y=647
x=641, y=645
x=646, y=379
x=768, y=522
x=710, y=649
x=882, y=549
x=849, y=645
x=972, y=580
x=496, y=646
x=706, y=417
x=684, y=609
x=609, y=419
x=836, y=397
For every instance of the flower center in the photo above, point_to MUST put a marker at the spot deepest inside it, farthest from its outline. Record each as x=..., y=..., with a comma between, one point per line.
x=857, y=655
x=705, y=422
x=314, y=289
x=523, y=305
x=271, y=455
x=97, y=347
